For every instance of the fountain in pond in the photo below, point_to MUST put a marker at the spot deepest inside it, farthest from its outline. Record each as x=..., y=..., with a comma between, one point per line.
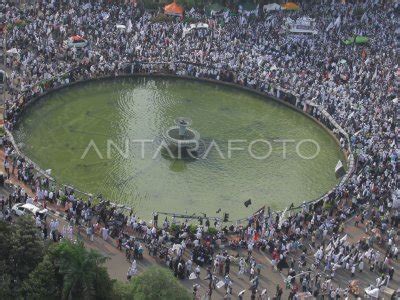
x=181, y=139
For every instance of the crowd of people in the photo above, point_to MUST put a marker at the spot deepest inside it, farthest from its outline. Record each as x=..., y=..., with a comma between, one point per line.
x=357, y=85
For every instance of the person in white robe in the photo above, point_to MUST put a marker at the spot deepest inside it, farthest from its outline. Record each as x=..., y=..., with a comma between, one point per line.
x=132, y=270
x=104, y=233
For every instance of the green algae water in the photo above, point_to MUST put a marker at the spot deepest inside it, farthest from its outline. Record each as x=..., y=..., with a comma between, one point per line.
x=103, y=137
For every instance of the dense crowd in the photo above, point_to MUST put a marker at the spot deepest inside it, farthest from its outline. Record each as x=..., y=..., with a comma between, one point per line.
x=357, y=85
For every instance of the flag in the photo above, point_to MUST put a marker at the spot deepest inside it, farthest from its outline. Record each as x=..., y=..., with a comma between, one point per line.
x=259, y=212
x=337, y=21
x=282, y=218
x=129, y=26
x=339, y=169
x=344, y=238
x=329, y=26
x=375, y=73
x=364, y=17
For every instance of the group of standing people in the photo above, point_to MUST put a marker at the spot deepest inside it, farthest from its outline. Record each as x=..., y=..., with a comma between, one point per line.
x=357, y=85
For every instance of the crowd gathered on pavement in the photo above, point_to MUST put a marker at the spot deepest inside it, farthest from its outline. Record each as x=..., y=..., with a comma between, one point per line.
x=357, y=85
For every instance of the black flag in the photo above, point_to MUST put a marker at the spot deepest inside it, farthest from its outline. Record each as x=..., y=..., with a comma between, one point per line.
x=247, y=203
x=226, y=217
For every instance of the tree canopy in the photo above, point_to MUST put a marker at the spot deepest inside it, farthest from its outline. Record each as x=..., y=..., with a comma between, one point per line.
x=35, y=269
x=21, y=250
x=80, y=269
x=31, y=269
x=158, y=283
x=42, y=282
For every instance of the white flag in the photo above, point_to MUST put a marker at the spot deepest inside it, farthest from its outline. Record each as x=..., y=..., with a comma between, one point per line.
x=129, y=26
x=375, y=73
x=337, y=21
x=329, y=26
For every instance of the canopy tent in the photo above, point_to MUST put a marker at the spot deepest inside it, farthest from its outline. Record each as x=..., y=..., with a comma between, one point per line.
x=356, y=40
x=173, y=9
x=272, y=7
x=290, y=6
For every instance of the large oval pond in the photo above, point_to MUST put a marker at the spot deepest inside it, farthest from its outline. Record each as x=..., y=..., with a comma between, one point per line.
x=103, y=137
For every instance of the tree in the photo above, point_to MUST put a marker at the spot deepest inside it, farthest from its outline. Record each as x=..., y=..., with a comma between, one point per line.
x=20, y=252
x=103, y=284
x=5, y=282
x=5, y=240
x=27, y=249
x=157, y=283
x=5, y=253
x=122, y=290
x=68, y=270
x=42, y=282
x=82, y=273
